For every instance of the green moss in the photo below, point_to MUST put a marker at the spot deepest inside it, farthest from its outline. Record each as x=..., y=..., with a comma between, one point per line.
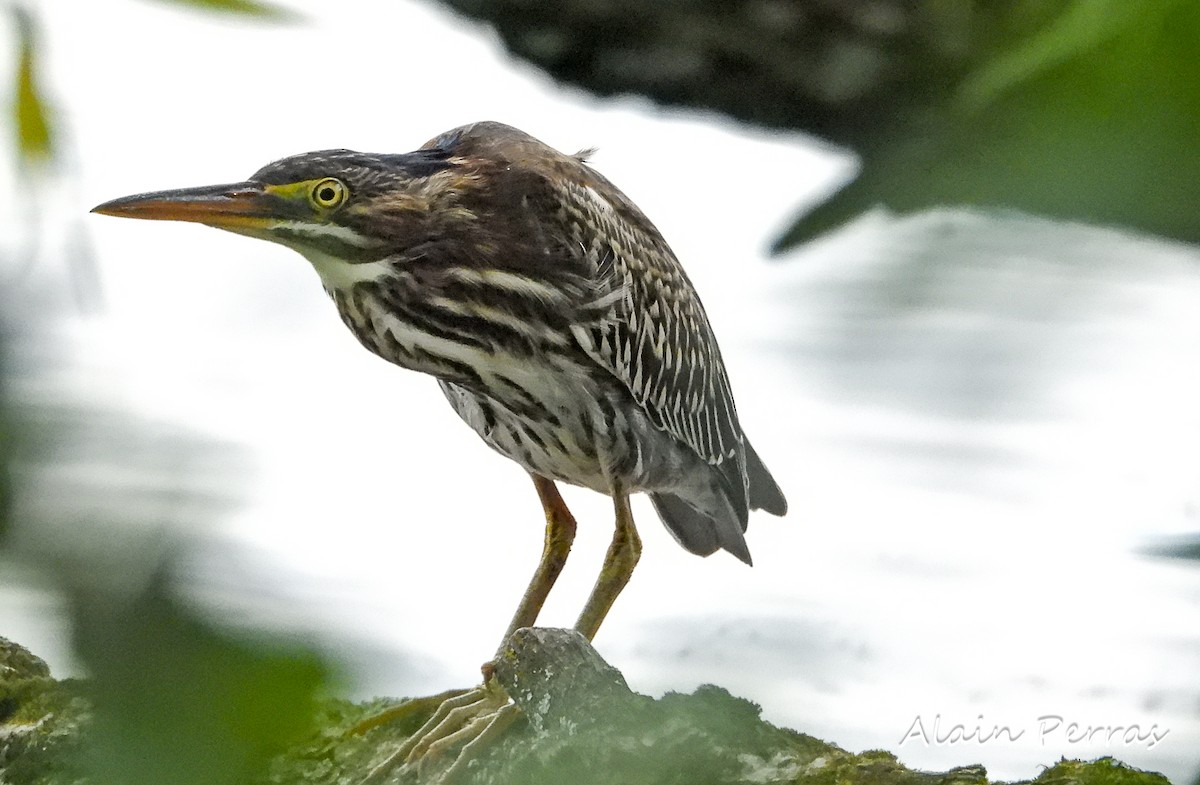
x=1104, y=771
x=42, y=735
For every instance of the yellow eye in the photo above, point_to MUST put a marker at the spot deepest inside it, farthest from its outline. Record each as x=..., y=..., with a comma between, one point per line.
x=329, y=193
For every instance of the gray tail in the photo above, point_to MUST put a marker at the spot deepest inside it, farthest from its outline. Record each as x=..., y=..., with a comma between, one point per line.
x=764, y=492
x=703, y=532
x=697, y=531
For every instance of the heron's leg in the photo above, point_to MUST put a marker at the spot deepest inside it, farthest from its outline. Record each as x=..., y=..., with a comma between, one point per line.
x=622, y=557
x=471, y=719
x=560, y=533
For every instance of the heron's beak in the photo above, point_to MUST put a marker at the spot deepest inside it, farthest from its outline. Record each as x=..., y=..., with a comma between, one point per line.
x=236, y=206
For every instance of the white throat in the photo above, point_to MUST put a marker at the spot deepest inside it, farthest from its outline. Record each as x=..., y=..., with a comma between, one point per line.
x=339, y=274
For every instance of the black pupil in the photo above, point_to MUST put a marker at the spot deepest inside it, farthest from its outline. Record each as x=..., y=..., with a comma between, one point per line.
x=326, y=194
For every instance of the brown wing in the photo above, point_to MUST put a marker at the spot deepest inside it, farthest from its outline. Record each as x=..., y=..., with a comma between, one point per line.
x=653, y=333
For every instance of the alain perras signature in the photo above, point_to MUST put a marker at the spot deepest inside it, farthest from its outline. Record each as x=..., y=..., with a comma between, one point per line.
x=1051, y=728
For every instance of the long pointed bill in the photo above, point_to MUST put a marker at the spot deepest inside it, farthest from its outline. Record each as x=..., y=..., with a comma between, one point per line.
x=235, y=206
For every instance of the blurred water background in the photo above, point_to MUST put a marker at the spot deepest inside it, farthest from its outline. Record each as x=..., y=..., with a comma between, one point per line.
x=984, y=423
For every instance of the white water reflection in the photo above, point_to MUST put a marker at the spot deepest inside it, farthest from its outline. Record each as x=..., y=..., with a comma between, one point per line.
x=987, y=417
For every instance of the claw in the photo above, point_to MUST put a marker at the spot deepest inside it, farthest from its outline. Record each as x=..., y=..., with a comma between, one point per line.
x=450, y=718
x=402, y=711
x=469, y=719
x=496, y=724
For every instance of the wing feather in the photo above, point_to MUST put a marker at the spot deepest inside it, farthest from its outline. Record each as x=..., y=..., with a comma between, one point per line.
x=665, y=350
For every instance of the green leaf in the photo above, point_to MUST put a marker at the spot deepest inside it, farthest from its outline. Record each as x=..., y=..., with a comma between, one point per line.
x=1094, y=118
x=240, y=7
x=34, y=134
x=6, y=442
x=1082, y=29
x=177, y=701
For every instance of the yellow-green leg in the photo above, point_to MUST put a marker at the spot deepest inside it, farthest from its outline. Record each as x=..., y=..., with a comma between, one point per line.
x=470, y=719
x=560, y=534
x=622, y=557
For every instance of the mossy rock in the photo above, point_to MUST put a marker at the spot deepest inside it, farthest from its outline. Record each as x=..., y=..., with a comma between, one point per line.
x=708, y=737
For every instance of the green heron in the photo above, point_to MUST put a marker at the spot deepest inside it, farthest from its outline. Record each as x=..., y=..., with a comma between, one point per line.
x=556, y=319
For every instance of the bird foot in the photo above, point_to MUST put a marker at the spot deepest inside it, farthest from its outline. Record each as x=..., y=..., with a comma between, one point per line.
x=467, y=720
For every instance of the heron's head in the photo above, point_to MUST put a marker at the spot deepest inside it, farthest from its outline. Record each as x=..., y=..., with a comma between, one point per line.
x=351, y=207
